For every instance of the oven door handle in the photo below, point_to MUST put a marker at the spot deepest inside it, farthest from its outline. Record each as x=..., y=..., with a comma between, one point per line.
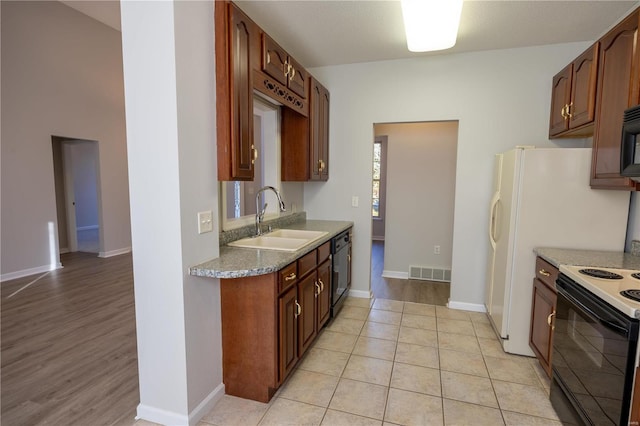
x=611, y=325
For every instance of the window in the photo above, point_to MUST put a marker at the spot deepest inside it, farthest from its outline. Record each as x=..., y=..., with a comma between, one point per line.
x=377, y=173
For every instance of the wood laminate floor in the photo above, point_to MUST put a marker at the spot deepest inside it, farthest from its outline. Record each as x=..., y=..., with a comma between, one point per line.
x=418, y=291
x=69, y=345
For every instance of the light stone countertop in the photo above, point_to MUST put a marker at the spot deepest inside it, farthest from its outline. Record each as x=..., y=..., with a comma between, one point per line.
x=236, y=262
x=593, y=258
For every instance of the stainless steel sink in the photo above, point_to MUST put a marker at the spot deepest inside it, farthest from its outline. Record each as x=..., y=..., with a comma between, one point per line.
x=281, y=239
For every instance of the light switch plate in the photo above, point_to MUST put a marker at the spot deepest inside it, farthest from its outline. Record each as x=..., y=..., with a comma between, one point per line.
x=205, y=222
x=354, y=201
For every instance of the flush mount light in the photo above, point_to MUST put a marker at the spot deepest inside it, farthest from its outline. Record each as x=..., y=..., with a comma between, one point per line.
x=431, y=24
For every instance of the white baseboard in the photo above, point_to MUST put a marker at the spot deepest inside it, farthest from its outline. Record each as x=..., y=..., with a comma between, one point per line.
x=206, y=405
x=87, y=228
x=114, y=252
x=64, y=250
x=31, y=271
x=395, y=274
x=463, y=306
x=169, y=418
x=363, y=294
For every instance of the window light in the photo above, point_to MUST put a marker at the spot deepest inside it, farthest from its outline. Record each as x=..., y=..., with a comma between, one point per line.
x=431, y=24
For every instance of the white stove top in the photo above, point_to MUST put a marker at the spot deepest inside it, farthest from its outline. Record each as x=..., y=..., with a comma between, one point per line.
x=607, y=289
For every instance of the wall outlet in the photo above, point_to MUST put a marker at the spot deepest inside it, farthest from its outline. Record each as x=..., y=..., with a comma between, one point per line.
x=436, y=249
x=205, y=222
x=354, y=201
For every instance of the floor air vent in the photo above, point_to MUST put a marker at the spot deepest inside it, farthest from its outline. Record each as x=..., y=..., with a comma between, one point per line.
x=429, y=274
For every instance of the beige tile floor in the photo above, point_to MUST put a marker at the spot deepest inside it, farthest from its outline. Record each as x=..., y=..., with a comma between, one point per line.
x=401, y=363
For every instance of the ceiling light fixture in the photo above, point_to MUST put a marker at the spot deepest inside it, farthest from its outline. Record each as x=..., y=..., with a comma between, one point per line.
x=431, y=24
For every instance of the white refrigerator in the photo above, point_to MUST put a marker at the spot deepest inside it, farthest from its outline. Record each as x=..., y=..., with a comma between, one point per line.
x=542, y=198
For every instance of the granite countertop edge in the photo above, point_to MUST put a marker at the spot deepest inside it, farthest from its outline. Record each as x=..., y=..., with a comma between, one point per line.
x=593, y=258
x=236, y=262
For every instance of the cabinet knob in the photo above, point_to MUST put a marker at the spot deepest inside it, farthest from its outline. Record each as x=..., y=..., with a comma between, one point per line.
x=544, y=272
x=291, y=276
x=551, y=315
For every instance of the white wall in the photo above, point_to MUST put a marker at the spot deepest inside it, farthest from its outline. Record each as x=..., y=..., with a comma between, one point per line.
x=170, y=103
x=61, y=75
x=421, y=171
x=501, y=99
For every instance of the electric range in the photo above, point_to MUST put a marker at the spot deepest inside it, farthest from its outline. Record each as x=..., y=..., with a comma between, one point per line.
x=617, y=287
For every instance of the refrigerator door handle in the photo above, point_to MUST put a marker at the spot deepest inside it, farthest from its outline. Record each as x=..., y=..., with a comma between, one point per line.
x=494, y=218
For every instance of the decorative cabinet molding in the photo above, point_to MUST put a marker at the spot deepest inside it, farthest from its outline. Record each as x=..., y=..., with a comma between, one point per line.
x=277, y=63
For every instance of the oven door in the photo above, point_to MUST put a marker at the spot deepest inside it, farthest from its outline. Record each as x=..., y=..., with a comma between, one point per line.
x=594, y=347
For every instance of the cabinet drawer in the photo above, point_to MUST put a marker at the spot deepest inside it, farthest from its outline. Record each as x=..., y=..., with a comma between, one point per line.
x=546, y=272
x=307, y=263
x=324, y=251
x=287, y=276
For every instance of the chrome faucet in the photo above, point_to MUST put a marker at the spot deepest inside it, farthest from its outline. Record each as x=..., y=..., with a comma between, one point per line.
x=260, y=213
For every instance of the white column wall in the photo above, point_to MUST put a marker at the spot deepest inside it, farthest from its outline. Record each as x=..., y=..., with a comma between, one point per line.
x=170, y=104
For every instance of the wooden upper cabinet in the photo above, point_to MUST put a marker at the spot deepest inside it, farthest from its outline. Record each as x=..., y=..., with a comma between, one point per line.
x=277, y=63
x=560, y=98
x=573, y=96
x=305, y=140
x=618, y=89
x=582, y=106
x=319, y=138
x=237, y=41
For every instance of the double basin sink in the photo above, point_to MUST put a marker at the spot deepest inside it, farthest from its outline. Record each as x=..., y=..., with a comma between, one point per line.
x=280, y=239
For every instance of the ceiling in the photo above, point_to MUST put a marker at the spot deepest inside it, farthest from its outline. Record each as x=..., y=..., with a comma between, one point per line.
x=334, y=32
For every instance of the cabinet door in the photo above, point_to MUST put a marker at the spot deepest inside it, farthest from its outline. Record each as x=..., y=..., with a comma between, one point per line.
x=274, y=59
x=560, y=99
x=324, y=296
x=298, y=78
x=618, y=80
x=319, y=128
x=583, y=88
x=308, y=308
x=241, y=87
x=541, y=333
x=288, y=332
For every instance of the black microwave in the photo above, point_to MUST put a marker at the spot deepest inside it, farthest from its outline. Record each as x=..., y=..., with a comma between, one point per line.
x=630, y=148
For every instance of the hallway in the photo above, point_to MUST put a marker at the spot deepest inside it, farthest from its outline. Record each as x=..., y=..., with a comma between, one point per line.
x=417, y=291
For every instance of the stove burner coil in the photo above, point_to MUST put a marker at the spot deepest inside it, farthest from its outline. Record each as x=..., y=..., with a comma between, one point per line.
x=636, y=275
x=632, y=294
x=599, y=273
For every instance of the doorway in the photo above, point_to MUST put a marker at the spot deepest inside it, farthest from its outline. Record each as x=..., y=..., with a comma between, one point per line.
x=413, y=195
x=76, y=175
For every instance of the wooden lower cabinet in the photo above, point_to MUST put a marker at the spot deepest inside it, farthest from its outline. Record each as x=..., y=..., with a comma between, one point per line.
x=287, y=332
x=543, y=309
x=269, y=321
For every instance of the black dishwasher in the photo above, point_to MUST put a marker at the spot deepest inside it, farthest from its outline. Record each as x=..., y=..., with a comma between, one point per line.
x=341, y=267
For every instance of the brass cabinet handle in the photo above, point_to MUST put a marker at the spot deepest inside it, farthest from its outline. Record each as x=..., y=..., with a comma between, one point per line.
x=321, y=165
x=318, y=288
x=564, y=112
x=292, y=72
x=551, y=315
x=544, y=272
x=322, y=284
x=569, y=115
x=298, y=310
x=287, y=68
x=291, y=276
x=255, y=154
